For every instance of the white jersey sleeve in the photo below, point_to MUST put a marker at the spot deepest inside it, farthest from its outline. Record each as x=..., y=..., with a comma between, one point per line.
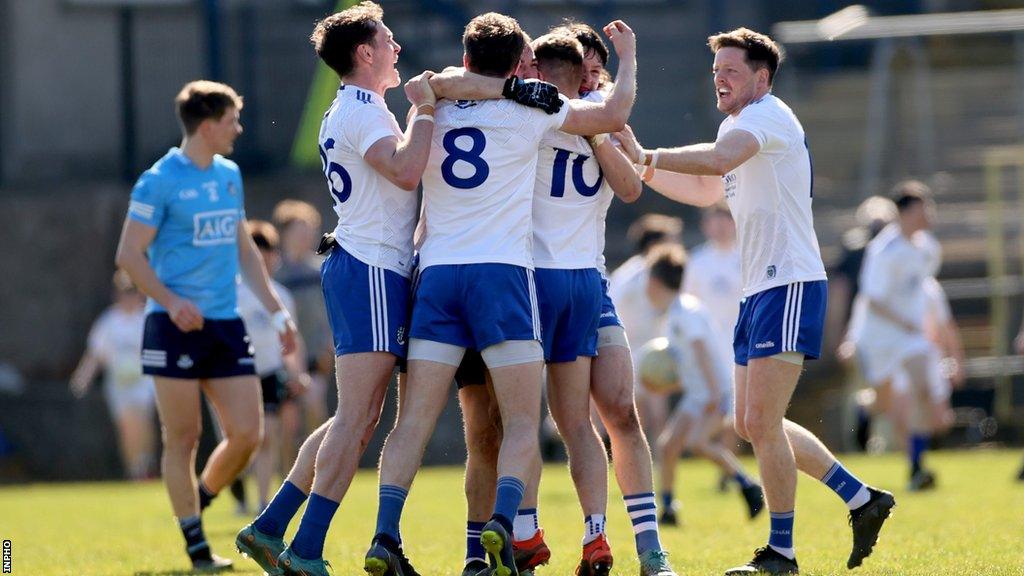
x=375, y=217
x=99, y=340
x=770, y=198
x=479, y=182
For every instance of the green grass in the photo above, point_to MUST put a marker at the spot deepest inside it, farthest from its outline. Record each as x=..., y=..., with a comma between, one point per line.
x=973, y=524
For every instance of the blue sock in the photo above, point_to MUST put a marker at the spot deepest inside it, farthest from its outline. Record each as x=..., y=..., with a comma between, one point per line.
x=918, y=446
x=389, y=511
x=507, y=500
x=309, y=540
x=643, y=513
x=742, y=480
x=666, y=500
x=474, y=549
x=839, y=479
x=781, y=536
x=274, y=518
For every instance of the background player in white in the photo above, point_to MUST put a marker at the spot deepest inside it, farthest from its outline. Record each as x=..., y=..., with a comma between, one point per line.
x=704, y=374
x=475, y=289
x=281, y=376
x=183, y=243
x=627, y=288
x=887, y=330
x=761, y=164
x=114, y=346
x=372, y=171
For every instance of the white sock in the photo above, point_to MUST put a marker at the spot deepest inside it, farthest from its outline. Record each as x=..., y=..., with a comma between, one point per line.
x=593, y=526
x=860, y=498
x=787, y=552
x=525, y=525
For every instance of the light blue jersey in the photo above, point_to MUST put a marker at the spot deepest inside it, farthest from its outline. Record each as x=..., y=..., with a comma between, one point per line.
x=196, y=214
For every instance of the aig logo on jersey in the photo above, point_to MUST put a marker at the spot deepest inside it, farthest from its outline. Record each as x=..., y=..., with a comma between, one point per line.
x=215, y=227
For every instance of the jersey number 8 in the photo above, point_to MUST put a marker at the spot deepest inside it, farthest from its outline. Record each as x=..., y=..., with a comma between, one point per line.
x=472, y=157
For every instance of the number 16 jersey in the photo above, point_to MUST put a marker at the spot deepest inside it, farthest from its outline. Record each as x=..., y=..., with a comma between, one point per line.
x=478, y=185
x=375, y=217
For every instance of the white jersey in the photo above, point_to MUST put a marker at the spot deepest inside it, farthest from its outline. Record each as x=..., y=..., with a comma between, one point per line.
x=479, y=180
x=116, y=339
x=606, y=194
x=770, y=199
x=893, y=272
x=627, y=288
x=687, y=322
x=260, y=327
x=570, y=201
x=713, y=276
x=375, y=217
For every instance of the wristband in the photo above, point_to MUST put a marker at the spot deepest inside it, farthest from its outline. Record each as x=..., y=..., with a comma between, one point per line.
x=642, y=160
x=654, y=158
x=281, y=321
x=648, y=174
x=426, y=117
x=420, y=109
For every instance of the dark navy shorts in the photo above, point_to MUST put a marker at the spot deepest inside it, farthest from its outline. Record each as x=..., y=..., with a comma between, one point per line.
x=221, y=349
x=788, y=318
x=275, y=390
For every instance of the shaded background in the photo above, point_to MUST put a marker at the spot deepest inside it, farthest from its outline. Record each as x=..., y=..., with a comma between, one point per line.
x=86, y=90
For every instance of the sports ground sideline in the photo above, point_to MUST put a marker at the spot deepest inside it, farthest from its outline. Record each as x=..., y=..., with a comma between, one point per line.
x=972, y=524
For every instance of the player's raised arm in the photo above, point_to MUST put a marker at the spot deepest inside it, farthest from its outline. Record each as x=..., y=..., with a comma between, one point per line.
x=618, y=170
x=587, y=118
x=402, y=161
x=683, y=188
x=461, y=84
x=712, y=159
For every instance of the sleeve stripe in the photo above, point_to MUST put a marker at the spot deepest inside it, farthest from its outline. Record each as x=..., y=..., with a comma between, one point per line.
x=144, y=210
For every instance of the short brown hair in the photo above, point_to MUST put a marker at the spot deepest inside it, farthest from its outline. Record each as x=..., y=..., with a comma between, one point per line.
x=559, y=55
x=762, y=51
x=653, y=229
x=336, y=37
x=494, y=44
x=264, y=235
x=287, y=212
x=667, y=263
x=587, y=36
x=910, y=192
x=202, y=99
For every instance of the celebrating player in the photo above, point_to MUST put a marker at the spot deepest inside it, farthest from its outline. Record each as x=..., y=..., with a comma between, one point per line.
x=183, y=243
x=761, y=165
x=476, y=287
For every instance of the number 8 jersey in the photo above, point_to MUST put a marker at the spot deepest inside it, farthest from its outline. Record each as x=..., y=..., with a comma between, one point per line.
x=375, y=217
x=479, y=180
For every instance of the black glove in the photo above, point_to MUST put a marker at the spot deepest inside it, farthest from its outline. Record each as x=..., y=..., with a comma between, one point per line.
x=533, y=94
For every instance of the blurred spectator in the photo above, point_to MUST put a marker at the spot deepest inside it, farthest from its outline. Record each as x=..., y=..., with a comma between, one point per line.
x=282, y=377
x=298, y=223
x=115, y=346
x=627, y=287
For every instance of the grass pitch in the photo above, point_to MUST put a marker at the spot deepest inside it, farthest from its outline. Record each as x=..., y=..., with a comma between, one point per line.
x=972, y=524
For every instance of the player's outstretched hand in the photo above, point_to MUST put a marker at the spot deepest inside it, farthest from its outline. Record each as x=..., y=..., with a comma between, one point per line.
x=185, y=315
x=418, y=90
x=533, y=94
x=621, y=37
x=629, y=144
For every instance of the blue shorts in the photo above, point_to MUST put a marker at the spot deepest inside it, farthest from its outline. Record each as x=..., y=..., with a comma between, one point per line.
x=367, y=306
x=788, y=318
x=570, y=310
x=609, y=317
x=221, y=349
x=475, y=305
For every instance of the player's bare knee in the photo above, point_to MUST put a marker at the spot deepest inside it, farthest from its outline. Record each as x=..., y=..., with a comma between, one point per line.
x=759, y=427
x=181, y=438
